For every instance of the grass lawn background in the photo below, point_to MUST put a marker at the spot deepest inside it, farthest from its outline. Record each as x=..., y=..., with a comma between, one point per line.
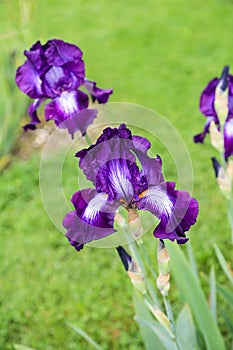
x=159, y=54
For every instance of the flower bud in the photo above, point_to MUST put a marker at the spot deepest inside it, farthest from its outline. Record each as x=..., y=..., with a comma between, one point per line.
x=133, y=269
x=163, y=258
x=216, y=137
x=160, y=316
x=164, y=269
x=224, y=177
x=221, y=96
x=163, y=283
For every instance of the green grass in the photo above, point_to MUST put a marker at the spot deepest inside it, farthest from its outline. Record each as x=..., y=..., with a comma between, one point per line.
x=159, y=54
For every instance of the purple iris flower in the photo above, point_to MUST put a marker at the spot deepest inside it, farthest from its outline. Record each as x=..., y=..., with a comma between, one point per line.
x=124, y=175
x=56, y=71
x=215, y=98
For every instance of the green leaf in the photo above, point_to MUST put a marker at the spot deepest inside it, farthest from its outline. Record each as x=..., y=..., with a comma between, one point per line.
x=185, y=329
x=228, y=318
x=223, y=263
x=150, y=338
x=161, y=333
x=21, y=347
x=227, y=295
x=213, y=298
x=192, y=293
x=86, y=337
x=192, y=258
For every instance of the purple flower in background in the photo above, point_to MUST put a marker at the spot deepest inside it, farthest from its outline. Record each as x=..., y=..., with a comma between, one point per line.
x=56, y=71
x=216, y=103
x=112, y=166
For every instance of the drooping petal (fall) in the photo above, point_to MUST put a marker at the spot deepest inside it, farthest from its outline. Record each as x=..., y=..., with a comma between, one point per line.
x=92, y=219
x=68, y=104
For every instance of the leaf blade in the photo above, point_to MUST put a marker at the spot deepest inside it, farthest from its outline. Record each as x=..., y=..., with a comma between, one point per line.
x=194, y=296
x=87, y=337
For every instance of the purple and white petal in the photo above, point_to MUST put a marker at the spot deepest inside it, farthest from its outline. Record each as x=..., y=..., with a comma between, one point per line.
x=118, y=178
x=156, y=200
x=176, y=210
x=59, y=52
x=32, y=111
x=114, y=143
x=228, y=137
x=92, y=219
x=67, y=105
x=207, y=100
x=58, y=79
x=101, y=95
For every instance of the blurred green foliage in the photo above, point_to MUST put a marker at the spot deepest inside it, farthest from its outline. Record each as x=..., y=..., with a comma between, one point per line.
x=160, y=54
x=13, y=105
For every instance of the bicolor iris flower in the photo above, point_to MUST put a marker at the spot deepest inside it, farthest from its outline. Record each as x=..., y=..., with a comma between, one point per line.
x=216, y=103
x=56, y=71
x=123, y=174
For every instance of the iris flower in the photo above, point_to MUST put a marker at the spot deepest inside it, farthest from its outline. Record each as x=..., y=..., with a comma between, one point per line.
x=216, y=103
x=56, y=71
x=124, y=175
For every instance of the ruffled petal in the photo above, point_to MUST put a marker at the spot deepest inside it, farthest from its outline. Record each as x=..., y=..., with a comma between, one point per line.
x=28, y=80
x=59, y=52
x=228, y=137
x=32, y=111
x=113, y=144
x=80, y=121
x=36, y=56
x=207, y=99
x=176, y=210
x=92, y=219
x=67, y=105
x=101, y=95
x=141, y=144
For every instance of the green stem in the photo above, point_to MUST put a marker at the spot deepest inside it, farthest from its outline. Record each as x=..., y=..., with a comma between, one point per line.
x=223, y=161
x=136, y=255
x=169, y=313
x=147, y=258
x=88, y=140
x=230, y=216
x=171, y=320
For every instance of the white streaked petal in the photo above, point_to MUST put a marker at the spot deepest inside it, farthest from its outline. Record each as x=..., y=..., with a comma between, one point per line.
x=119, y=181
x=156, y=199
x=67, y=103
x=94, y=207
